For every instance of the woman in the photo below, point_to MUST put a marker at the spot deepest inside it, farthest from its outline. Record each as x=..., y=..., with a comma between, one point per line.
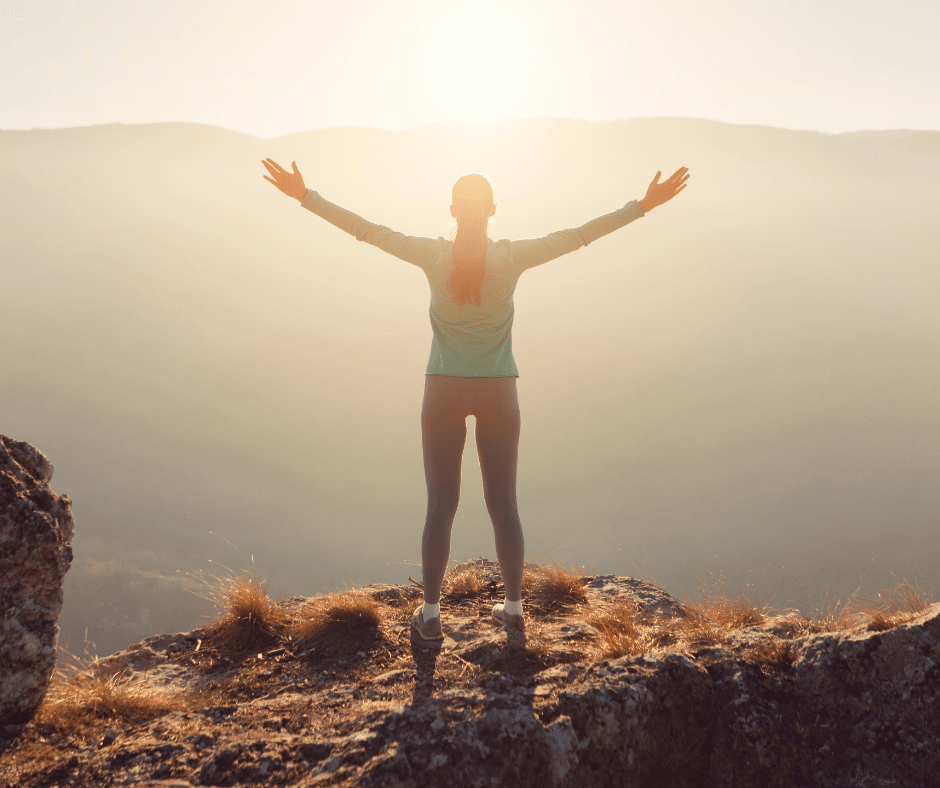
x=471, y=370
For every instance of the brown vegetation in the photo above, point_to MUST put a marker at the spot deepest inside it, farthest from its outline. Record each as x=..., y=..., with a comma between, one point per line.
x=464, y=580
x=82, y=694
x=886, y=612
x=94, y=694
x=360, y=639
x=346, y=621
x=773, y=655
x=623, y=631
x=250, y=619
x=728, y=612
x=620, y=631
x=553, y=587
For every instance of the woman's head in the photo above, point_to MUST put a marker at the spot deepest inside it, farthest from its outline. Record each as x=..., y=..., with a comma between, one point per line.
x=472, y=198
x=472, y=206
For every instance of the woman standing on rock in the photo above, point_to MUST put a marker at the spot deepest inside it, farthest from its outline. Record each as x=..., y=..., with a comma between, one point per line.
x=471, y=370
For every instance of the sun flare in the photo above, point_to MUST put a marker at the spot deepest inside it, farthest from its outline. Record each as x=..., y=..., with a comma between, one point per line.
x=481, y=62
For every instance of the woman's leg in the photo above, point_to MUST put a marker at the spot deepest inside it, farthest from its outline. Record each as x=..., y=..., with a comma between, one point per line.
x=444, y=433
x=497, y=436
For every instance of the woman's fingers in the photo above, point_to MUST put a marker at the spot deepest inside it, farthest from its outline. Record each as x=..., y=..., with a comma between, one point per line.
x=275, y=172
x=677, y=175
x=271, y=164
x=677, y=182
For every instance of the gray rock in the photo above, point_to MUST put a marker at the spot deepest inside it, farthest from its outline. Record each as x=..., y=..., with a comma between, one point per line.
x=36, y=530
x=772, y=704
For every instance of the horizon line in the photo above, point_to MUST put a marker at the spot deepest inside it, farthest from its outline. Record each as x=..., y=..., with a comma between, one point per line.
x=467, y=124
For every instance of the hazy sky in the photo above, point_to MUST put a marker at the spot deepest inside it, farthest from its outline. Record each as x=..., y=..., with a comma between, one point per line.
x=283, y=66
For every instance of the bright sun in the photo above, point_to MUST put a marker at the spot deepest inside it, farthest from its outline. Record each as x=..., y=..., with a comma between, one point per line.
x=480, y=61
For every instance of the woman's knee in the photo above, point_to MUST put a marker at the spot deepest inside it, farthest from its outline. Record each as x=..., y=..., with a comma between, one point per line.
x=502, y=509
x=443, y=508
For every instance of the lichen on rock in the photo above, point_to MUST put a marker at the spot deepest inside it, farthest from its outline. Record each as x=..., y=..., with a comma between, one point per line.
x=36, y=529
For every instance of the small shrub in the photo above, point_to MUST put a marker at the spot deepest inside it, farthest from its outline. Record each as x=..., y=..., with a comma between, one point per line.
x=464, y=580
x=694, y=630
x=773, y=655
x=620, y=632
x=83, y=692
x=95, y=694
x=831, y=618
x=728, y=613
x=890, y=613
x=552, y=587
x=346, y=621
x=250, y=619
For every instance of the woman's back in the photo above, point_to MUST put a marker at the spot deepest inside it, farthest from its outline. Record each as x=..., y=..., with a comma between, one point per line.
x=472, y=340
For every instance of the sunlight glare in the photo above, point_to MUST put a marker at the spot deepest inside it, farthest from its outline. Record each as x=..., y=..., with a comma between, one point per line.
x=481, y=62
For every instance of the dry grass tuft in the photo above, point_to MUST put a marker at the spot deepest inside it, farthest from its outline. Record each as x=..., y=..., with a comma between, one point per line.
x=346, y=621
x=728, y=613
x=82, y=693
x=834, y=619
x=696, y=630
x=890, y=613
x=623, y=630
x=250, y=619
x=464, y=580
x=93, y=694
x=553, y=587
x=773, y=655
x=620, y=631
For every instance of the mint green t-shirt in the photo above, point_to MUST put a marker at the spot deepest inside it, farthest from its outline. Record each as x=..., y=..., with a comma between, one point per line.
x=472, y=340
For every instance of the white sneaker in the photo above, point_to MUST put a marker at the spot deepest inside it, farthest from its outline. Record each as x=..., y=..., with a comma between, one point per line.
x=429, y=631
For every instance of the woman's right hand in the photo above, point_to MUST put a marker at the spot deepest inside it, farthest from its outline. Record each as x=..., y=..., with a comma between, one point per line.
x=658, y=193
x=292, y=184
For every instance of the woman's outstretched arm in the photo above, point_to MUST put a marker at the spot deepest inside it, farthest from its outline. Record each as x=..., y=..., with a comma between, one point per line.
x=412, y=249
x=529, y=253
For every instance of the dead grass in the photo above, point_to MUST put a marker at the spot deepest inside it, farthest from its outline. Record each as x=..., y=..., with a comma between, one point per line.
x=553, y=587
x=727, y=612
x=346, y=621
x=620, y=631
x=464, y=580
x=773, y=655
x=82, y=693
x=94, y=694
x=623, y=630
x=250, y=619
x=834, y=618
x=885, y=612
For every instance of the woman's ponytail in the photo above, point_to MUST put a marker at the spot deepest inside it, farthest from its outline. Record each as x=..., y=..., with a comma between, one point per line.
x=469, y=260
x=472, y=207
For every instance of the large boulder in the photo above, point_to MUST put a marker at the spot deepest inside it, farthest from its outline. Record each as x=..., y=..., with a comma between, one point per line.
x=36, y=530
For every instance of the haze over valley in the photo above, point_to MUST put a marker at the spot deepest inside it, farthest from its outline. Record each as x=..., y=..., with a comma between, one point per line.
x=743, y=383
